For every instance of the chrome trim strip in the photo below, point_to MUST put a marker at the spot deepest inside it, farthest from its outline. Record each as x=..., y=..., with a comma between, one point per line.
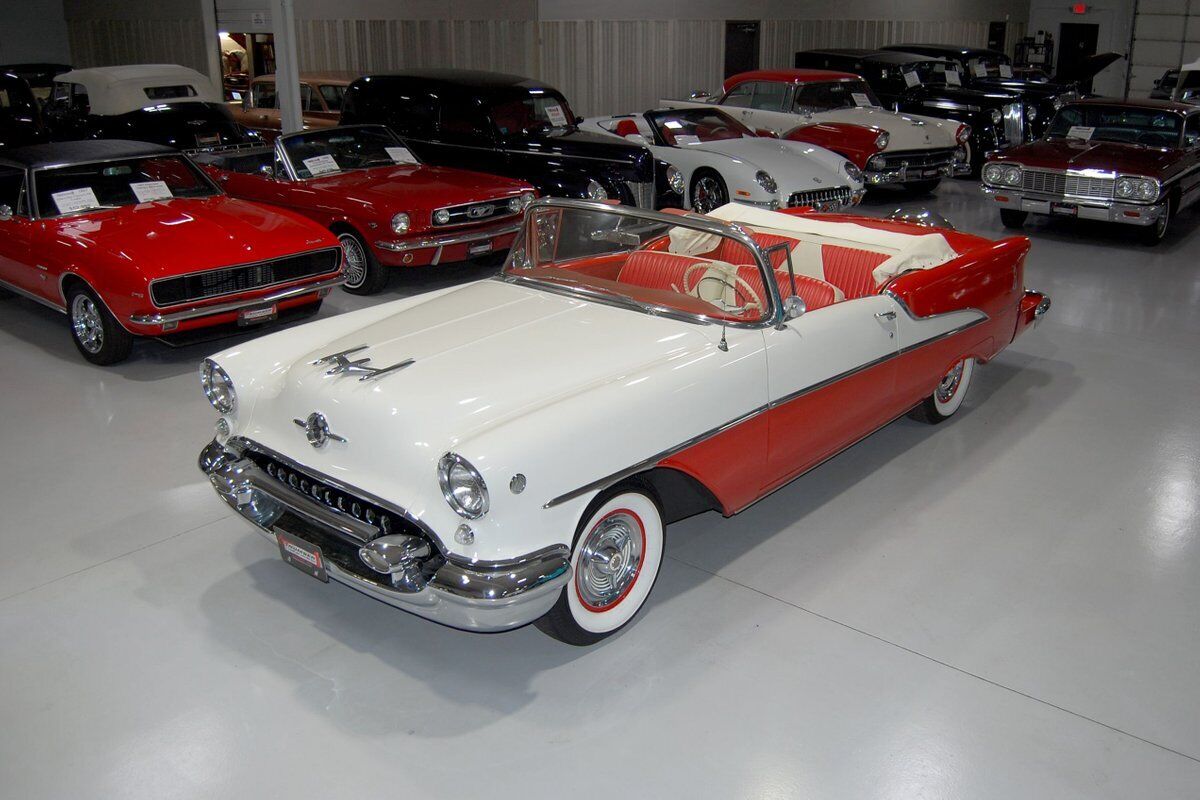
x=31, y=296
x=448, y=240
x=248, y=264
x=496, y=202
x=206, y=311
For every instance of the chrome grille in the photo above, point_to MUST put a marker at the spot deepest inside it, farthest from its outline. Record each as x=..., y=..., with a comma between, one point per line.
x=820, y=199
x=247, y=277
x=469, y=213
x=1014, y=123
x=1063, y=185
x=642, y=193
x=918, y=159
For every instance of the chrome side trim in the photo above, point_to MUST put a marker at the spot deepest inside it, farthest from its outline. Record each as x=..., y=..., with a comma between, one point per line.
x=31, y=296
x=221, y=308
x=447, y=240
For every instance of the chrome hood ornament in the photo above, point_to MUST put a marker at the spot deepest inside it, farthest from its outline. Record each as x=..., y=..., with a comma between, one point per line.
x=316, y=428
x=341, y=364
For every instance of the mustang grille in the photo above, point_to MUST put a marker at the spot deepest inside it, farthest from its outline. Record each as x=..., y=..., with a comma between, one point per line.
x=1057, y=183
x=1014, y=123
x=821, y=198
x=919, y=159
x=475, y=212
x=642, y=193
x=231, y=280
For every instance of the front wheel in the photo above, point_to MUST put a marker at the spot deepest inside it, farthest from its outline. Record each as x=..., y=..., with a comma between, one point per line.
x=1013, y=219
x=364, y=273
x=1152, y=235
x=617, y=554
x=708, y=192
x=948, y=395
x=96, y=333
x=922, y=187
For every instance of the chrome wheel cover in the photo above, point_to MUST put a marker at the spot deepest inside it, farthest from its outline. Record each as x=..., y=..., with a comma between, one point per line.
x=356, y=260
x=950, y=383
x=707, y=195
x=1164, y=219
x=610, y=559
x=87, y=324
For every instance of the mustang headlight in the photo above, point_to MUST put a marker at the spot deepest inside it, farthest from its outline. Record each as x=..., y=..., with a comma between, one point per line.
x=595, y=191
x=400, y=223
x=218, y=388
x=462, y=486
x=852, y=171
x=516, y=204
x=765, y=180
x=1142, y=189
x=997, y=117
x=881, y=141
x=675, y=179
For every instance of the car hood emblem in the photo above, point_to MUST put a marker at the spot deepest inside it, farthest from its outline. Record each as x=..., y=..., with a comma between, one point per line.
x=476, y=212
x=316, y=429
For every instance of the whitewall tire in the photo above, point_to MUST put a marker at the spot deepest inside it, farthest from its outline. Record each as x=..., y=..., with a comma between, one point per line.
x=948, y=395
x=615, y=561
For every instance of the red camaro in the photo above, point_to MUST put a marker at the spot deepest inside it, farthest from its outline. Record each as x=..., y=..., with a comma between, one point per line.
x=132, y=239
x=387, y=209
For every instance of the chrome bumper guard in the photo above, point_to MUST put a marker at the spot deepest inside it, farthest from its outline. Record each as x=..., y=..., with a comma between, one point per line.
x=1085, y=207
x=479, y=596
x=175, y=317
x=448, y=240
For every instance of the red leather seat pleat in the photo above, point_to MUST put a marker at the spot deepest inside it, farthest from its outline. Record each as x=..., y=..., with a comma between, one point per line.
x=849, y=269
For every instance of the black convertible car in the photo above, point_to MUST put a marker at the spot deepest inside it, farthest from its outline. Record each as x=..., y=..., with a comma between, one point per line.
x=932, y=87
x=20, y=122
x=512, y=126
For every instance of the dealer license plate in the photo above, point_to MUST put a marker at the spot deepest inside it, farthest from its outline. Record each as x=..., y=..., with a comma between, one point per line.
x=479, y=249
x=303, y=556
x=253, y=316
x=1065, y=209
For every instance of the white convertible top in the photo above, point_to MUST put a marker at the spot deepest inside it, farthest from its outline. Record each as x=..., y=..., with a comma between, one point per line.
x=119, y=90
x=906, y=251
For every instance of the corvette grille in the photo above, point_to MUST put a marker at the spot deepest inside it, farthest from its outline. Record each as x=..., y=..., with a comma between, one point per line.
x=820, y=199
x=1063, y=185
x=469, y=213
x=231, y=280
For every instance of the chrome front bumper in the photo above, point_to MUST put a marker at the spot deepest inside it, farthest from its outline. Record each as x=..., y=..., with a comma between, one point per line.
x=1085, y=208
x=172, y=318
x=448, y=240
x=478, y=596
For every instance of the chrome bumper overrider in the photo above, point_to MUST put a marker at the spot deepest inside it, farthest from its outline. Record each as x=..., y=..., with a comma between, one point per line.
x=1085, y=207
x=236, y=305
x=407, y=571
x=448, y=240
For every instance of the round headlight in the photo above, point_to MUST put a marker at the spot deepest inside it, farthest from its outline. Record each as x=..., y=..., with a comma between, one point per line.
x=1124, y=187
x=877, y=163
x=518, y=203
x=1012, y=175
x=852, y=171
x=963, y=133
x=462, y=486
x=400, y=223
x=993, y=173
x=675, y=179
x=218, y=388
x=595, y=191
x=997, y=117
x=765, y=180
x=1148, y=189
x=441, y=216
x=1031, y=113
x=881, y=141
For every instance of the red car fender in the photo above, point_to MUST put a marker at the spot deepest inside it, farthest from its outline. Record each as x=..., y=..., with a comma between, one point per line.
x=855, y=142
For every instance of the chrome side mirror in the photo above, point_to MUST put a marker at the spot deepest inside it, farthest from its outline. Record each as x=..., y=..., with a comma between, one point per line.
x=6, y=213
x=793, y=307
x=700, y=94
x=267, y=171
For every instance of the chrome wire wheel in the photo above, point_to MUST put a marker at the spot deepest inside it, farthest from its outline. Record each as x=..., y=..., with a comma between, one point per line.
x=950, y=383
x=610, y=559
x=356, y=260
x=87, y=324
x=708, y=193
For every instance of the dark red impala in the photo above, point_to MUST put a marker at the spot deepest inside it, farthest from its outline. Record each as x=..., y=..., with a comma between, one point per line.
x=132, y=239
x=387, y=209
x=1135, y=162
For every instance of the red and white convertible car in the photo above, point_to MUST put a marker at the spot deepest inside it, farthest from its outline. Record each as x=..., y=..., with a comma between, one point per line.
x=511, y=450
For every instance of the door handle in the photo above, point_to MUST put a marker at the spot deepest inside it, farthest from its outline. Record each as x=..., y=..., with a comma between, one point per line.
x=888, y=315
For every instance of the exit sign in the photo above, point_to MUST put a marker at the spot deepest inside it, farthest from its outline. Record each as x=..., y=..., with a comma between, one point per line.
x=1079, y=8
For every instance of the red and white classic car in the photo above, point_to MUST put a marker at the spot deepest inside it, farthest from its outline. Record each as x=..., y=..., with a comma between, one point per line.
x=453, y=454
x=386, y=207
x=839, y=111
x=1133, y=162
x=132, y=239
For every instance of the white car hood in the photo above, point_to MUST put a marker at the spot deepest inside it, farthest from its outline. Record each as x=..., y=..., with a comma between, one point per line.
x=906, y=131
x=792, y=164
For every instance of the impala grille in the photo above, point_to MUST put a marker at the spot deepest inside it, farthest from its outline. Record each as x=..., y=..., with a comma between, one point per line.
x=1063, y=185
x=837, y=196
x=231, y=280
x=469, y=213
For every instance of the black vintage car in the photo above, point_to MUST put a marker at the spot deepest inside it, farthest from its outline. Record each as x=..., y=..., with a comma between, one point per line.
x=512, y=126
x=159, y=103
x=20, y=122
x=932, y=87
x=39, y=76
x=1164, y=87
x=992, y=70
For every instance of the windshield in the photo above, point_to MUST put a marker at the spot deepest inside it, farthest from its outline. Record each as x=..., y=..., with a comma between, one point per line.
x=812, y=97
x=684, y=127
x=528, y=111
x=111, y=184
x=990, y=66
x=15, y=101
x=648, y=265
x=1146, y=126
x=334, y=150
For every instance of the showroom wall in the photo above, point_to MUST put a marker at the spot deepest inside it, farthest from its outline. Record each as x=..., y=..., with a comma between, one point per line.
x=1113, y=17
x=104, y=32
x=33, y=30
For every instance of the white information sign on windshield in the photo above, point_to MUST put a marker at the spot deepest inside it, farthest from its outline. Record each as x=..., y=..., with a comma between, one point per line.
x=557, y=117
x=74, y=200
x=953, y=78
x=321, y=165
x=684, y=138
x=1005, y=70
x=861, y=100
x=1080, y=132
x=149, y=191
x=401, y=155
x=912, y=79
x=979, y=69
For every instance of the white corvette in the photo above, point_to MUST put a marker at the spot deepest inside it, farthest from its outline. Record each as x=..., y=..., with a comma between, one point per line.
x=723, y=161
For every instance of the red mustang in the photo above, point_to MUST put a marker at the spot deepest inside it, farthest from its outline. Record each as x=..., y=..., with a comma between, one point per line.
x=133, y=239
x=1133, y=162
x=387, y=209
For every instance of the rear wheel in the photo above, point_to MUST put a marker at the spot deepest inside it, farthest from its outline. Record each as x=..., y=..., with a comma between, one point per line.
x=1151, y=235
x=96, y=333
x=1013, y=219
x=922, y=187
x=364, y=273
x=948, y=395
x=708, y=191
x=614, y=564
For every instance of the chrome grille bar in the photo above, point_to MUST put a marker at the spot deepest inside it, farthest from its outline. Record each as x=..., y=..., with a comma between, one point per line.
x=1066, y=185
x=1014, y=123
x=836, y=195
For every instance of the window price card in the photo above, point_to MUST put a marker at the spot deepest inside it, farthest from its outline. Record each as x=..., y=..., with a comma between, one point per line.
x=401, y=155
x=321, y=165
x=149, y=191
x=75, y=200
x=557, y=116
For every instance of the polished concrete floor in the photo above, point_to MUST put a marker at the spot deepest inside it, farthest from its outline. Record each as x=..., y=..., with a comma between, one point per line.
x=1004, y=606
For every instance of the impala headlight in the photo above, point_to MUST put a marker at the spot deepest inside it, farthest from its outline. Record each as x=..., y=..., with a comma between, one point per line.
x=852, y=171
x=462, y=486
x=765, y=180
x=517, y=204
x=1143, y=189
x=993, y=174
x=997, y=117
x=218, y=388
x=400, y=223
x=595, y=191
x=675, y=179
x=1012, y=176
x=881, y=141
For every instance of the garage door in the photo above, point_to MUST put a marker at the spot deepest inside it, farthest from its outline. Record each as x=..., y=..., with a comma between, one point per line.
x=1166, y=33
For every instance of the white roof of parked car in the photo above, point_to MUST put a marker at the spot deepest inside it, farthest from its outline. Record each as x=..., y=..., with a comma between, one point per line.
x=119, y=90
